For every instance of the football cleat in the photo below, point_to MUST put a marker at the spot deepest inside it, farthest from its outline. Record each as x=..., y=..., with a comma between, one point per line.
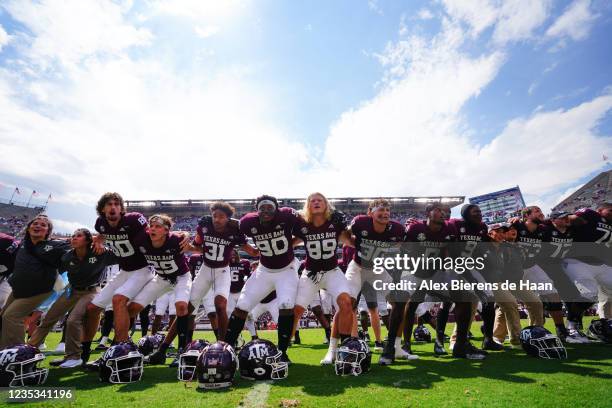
x=576, y=336
x=468, y=351
x=492, y=345
x=439, y=349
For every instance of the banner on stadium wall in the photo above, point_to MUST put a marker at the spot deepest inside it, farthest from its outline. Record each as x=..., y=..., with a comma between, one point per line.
x=500, y=205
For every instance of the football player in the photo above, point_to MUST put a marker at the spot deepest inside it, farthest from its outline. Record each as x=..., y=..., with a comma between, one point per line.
x=431, y=238
x=321, y=228
x=531, y=231
x=375, y=235
x=123, y=232
x=272, y=230
x=589, y=262
x=240, y=270
x=469, y=232
x=162, y=250
x=216, y=236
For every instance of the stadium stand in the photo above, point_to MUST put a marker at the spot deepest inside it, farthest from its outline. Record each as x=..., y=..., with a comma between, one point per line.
x=13, y=218
x=187, y=212
x=596, y=191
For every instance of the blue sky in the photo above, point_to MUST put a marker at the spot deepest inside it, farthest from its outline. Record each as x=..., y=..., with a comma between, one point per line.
x=205, y=99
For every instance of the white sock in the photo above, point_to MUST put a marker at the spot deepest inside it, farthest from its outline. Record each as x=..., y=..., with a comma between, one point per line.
x=571, y=325
x=333, y=344
x=398, y=342
x=103, y=340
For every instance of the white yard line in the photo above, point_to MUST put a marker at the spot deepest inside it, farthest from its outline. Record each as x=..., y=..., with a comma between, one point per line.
x=258, y=396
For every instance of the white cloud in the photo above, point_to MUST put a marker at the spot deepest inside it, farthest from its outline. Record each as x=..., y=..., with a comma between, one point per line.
x=532, y=88
x=425, y=14
x=71, y=30
x=575, y=22
x=4, y=37
x=513, y=20
x=519, y=18
x=375, y=7
x=60, y=225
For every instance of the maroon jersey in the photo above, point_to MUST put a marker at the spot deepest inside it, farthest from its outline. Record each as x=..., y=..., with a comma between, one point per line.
x=218, y=246
x=240, y=272
x=555, y=244
x=321, y=244
x=529, y=242
x=167, y=260
x=469, y=236
x=125, y=238
x=370, y=244
x=194, y=262
x=429, y=243
x=8, y=248
x=273, y=239
x=597, y=230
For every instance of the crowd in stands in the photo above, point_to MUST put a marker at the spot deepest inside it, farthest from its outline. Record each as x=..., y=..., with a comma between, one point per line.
x=13, y=225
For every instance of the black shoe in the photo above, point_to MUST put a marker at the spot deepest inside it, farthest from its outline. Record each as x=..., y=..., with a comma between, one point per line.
x=101, y=347
x=490, y=344
x=254, y=337
x=57, y=363
x=285, y=358
x=470, y=336
x=468, y=351
x=94, y=365
x=407, y=348
x=439, y=349
x=296, y=339
x=157, y=358
x=388, y=355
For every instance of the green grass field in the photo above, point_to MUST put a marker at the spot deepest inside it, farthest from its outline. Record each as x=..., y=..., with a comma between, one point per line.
x=505, y=379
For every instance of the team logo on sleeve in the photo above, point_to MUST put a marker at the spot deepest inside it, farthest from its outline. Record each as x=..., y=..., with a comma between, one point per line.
x=421, y=237
x=47, y=248
x=253, y=230
x=92, y=260
x=364, y=233
x=204, y=230
x=462, y=230
x=304, y=230
x=102, y=228
x=143, y=250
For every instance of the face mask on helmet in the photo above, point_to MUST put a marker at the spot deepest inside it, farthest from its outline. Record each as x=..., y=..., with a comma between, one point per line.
x=261, y=360
x=121, y=363
x=216, y=366
x=353, y=357
x=539, y=342
x=189, y=359
x=19, y=366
